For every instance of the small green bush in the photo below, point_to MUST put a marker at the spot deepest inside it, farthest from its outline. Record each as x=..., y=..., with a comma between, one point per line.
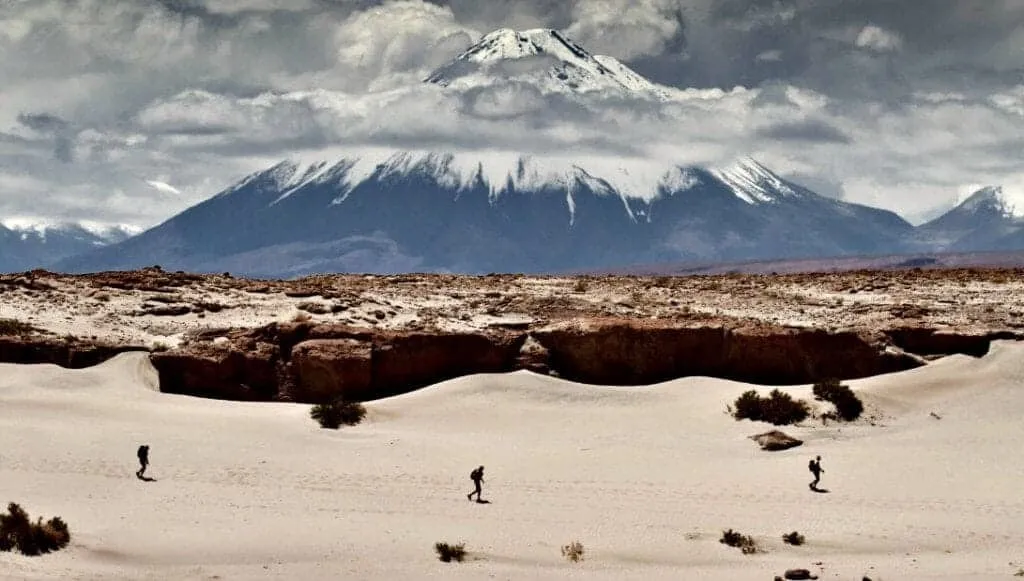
x=18, y=532
x=448, y=553
x=333, y=414
x=848, y=405
x=745, y=543
x=793, y=538
x=778, y=408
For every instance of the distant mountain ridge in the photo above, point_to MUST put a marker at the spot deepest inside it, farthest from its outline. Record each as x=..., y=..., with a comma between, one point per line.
x=388, y=211
x=27, y=244
x=988, y=219
x=476, y=213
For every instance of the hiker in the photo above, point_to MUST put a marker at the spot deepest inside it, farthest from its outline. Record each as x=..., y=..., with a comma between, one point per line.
x=815, y=467
x=477, y=476
x=143, y=454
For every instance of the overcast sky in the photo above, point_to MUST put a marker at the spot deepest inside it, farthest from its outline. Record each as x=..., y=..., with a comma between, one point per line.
x=129, y=111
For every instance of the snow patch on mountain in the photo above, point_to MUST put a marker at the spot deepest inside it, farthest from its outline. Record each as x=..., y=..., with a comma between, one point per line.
x=754, y=183
x=546, y=59
x=1007, y=201
x=41, y=229
x=499, y=172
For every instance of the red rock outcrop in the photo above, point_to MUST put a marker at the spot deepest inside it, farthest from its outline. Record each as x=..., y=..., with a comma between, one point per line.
x=627, y=352
x=306, y=362
x=927, y=341
x=220, y=371
x=310, y=363
x=71, y=354
x=326, y=368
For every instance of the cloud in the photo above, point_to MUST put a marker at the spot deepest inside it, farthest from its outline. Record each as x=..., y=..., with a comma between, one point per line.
x=773, y=55
x=812, y=130
x=894, y=104
x=626, y=29
x=367, y=43
x=878, y=39
x=1011, y=101
x=163, y=187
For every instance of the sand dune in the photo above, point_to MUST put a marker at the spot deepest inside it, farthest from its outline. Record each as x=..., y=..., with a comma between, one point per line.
x=646, y=478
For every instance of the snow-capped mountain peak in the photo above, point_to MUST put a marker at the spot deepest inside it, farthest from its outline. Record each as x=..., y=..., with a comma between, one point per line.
x=994, y=198
x=544, y=58
x=754, y=183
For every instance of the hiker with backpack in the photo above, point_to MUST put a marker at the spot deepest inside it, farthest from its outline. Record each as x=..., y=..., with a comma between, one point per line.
x=815, y=467
x=143, y=455
x=477, y=476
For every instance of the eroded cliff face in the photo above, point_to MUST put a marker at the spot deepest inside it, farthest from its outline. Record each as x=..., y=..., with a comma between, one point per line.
x=366, y=337
x=70, y=353
x=311, y=363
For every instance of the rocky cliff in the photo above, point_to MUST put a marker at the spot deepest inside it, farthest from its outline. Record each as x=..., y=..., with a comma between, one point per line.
x=366, y=337
x=308, y=363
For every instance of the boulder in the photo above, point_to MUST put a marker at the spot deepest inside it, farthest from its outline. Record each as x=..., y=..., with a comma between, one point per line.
x=775, y=440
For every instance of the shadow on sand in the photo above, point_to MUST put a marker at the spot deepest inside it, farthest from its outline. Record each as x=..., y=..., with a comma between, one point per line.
x=819, y=490
x=145, y=478
x=483, y=501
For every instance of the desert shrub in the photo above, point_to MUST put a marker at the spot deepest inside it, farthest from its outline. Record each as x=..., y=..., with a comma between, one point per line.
x=11, y=327
x=747, y=406
x=848, y=405
x=573, y=551
x=778, y=408
x=581, y=286
x=18, y=532
x=333, y=414
x=744, y=543
x=793, y=538
x=160, y=347
x=448, y=553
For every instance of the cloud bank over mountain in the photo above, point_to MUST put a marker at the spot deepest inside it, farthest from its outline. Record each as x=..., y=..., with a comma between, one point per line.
x=128, y=112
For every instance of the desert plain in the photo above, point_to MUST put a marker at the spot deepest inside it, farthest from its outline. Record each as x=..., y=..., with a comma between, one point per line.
x=646, y=477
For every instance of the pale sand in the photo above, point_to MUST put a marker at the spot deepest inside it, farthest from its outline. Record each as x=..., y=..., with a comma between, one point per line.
x=645, y=478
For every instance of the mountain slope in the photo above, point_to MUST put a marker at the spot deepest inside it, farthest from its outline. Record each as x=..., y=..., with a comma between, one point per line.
x=27, y=244
x=545, y=59
x=988, y=219
x=466, y=213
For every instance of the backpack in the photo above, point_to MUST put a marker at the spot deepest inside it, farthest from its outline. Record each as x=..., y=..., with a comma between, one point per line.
x=812, y=466
x=474, y=475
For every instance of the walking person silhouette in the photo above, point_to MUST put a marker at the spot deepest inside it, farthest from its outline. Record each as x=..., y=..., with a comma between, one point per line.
x=143, y=455
x=815, y=467
x=477, y=476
